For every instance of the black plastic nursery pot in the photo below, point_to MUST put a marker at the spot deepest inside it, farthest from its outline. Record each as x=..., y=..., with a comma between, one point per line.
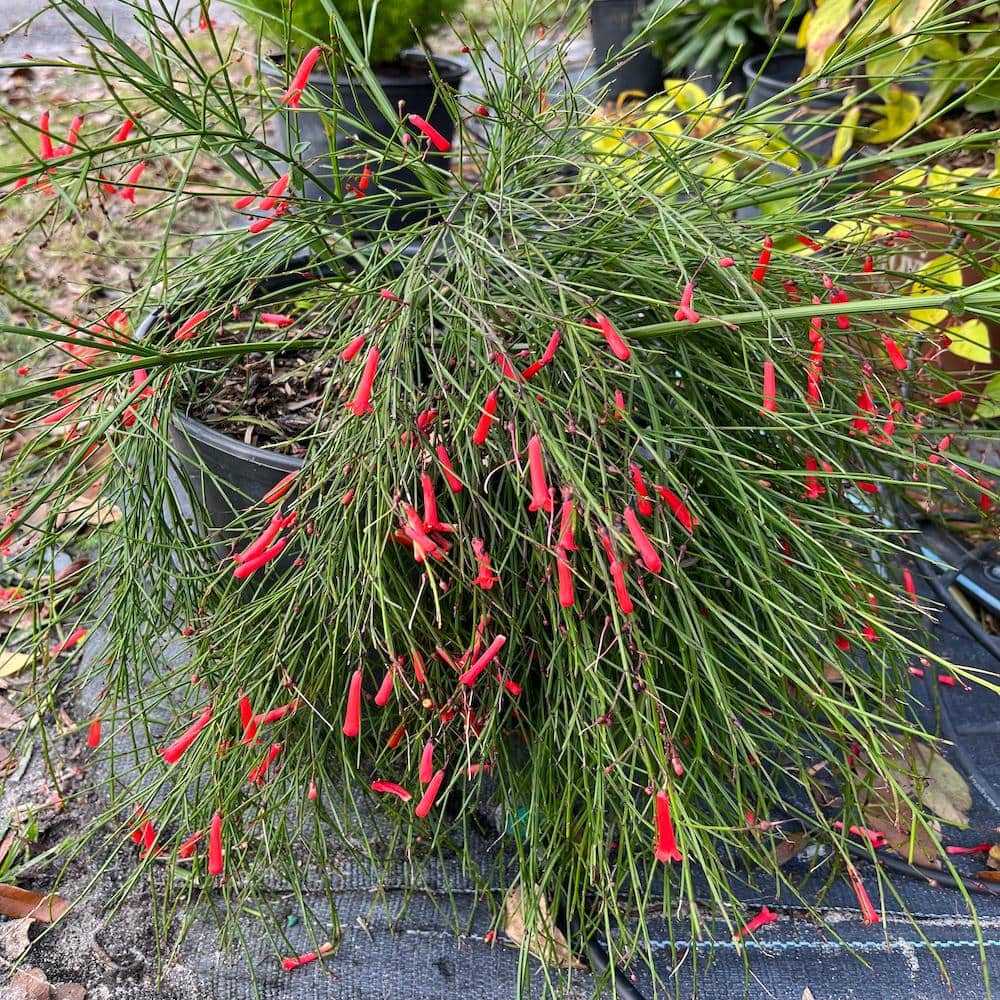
x=410, y=88
x=612, y=23
x=810, y=119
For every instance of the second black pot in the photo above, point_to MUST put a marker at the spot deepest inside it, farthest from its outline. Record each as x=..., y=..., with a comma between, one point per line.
x=410, y=88
x=612, y=23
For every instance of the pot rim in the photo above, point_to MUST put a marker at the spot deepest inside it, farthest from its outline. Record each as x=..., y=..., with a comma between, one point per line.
x=450, y=70
x=753, y=76
x=234, y=447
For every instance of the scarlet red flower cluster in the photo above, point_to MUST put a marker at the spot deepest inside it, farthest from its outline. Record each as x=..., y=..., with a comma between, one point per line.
x=265, y=548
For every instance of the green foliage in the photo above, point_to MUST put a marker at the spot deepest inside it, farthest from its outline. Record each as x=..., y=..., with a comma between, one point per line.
x=715, y=34
x=396, y=25
x=754, y=663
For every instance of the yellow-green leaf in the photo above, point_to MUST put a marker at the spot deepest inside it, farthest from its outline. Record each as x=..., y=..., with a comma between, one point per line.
x=971, y=341
x=855, y=231
x=900, y=112
x=942, y=272
x=844, y=138
x=989, y=405
x=824, y=30
x=13, y=663
x=908, y=14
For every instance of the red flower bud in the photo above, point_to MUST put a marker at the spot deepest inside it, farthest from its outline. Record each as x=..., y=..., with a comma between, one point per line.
x=352, y=716
x=215, y=862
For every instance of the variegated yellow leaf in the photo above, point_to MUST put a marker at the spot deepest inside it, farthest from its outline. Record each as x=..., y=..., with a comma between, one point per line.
x=844, y=138
x=825, y=28
x=900, y=112
x=942, y=272
x=971, y=340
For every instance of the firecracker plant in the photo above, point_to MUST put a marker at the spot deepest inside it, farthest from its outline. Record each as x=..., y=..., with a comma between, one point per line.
x=596, y=527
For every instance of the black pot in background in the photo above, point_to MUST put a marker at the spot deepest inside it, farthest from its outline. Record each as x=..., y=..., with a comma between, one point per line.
x=612, y=23
x=800, y=116
x=409, y=87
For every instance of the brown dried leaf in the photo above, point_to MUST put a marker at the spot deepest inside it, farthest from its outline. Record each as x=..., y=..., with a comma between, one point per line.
x=793, y=845
x=67, y=991
x=941, y=788
x=884, y=811
x=13, y=663
x=544, y=940
x=988, y=876
x=29, y=984
x=993, y=860
x=17, y=902
x=15, y=938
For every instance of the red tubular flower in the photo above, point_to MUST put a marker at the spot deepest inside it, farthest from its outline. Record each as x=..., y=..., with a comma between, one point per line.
x=94, y=734
x=814, y=488
x=650, y=558
x=128, y=191
x=419, y=672
x=678, y=508
x=620, y=409
x=361, y=404
x=425, y=419
x=547, y=355
x=489, y=655
x=148, y=839
x=865, y=405
x=188, y=327
x=869, y=265
x=643, y=502
x=763, y=261
x=391, y=788
x=274, y=193
x=426, y=803
x=350, y=352
x=173, y=753
x=868, y=912
x=312, y=792
x=293, y=962
x=567, y=540
x=617, y=575
x=434, y=137
x=384, y=692
x=72, y=136
x=246, y=711
x=567, y=594
x=726, y=262
x=73, y=639
x=426, y=763
x=950, y=398
x=431, y=520
x=250, y=566
x=361, y=188
x=770, y=389
x=263, y=540
x=865, y=486
x=614, y=339
x=44, y=136
x=908, y=583
x=186, y=849
x=791, y=290
x=895, y=354
x=280, y=488
x=541, y=499
x=454, y=483
x=506, y=368
x=975, y=849
x=808, y=242
x=276, y=319
x=390, y=296
x=842, y=644
x=352, y=715
x=215, y=862
x=277, y=714
x=874, y=837
x=416, y=531
x=666, y=844
x=486, y=420
x=947, y=680
x=292, y=97
x=485, y=578
x=124, y=130
x=685, y=311
x=259, y=225
x=762, y=919
x=916, y=671
x=838, y=296
x=256, y=775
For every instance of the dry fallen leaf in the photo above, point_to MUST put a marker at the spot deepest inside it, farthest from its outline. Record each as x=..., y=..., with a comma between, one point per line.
x=793, y=845
x=67, y=991
x=988, y=876
x=545, y=941
x=29, y=984
x=15, y=938
x=884, y=811
x=16, y=902
x=994, y=856
x=13, y=663
x=941, y=788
